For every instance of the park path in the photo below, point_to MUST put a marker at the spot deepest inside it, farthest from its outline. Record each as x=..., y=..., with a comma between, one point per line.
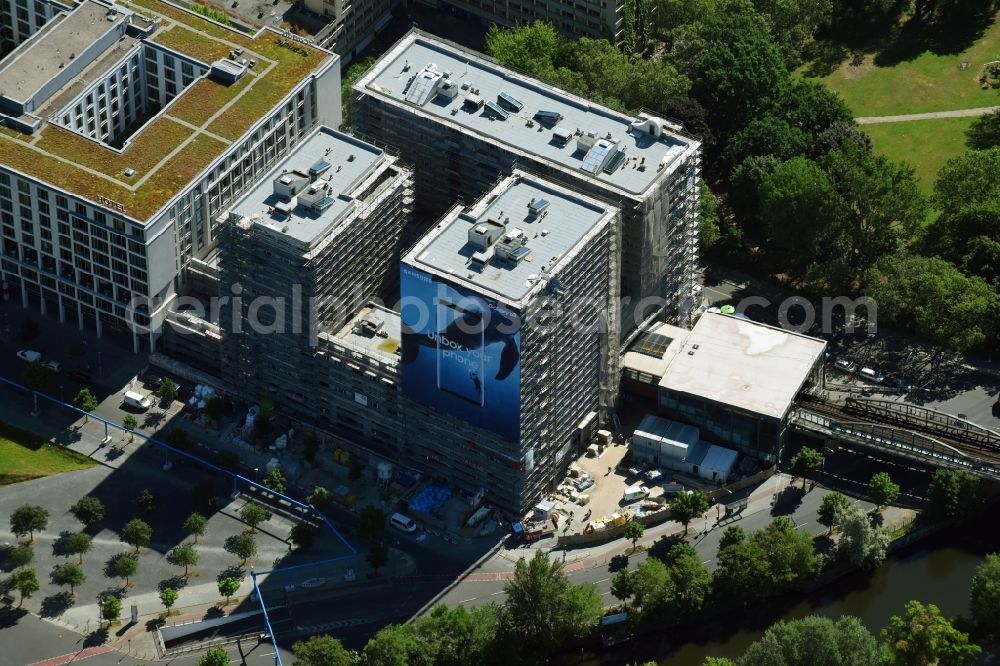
x=960, y=113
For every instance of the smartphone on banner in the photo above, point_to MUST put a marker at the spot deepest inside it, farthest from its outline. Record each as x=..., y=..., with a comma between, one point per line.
x=461, y=356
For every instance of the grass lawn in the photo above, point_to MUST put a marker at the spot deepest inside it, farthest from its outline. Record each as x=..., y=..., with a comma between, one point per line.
x=929, y=82
x=24, y=456
x=923, y=144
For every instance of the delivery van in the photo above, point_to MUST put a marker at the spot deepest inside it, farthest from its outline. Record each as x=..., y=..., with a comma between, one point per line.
x=404, y=523
x=136, y=400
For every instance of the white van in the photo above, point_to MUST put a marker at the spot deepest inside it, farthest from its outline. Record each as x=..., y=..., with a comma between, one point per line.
x=404, y=523
x=136, y=400
x=872, y=376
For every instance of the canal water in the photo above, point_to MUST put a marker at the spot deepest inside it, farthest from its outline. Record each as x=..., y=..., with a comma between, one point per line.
x=936, y=570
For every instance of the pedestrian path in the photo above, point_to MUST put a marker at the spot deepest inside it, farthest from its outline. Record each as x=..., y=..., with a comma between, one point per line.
x=933, y=115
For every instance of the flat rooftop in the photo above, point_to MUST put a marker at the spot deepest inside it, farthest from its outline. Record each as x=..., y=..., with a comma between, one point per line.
x=396, y=77
x=549, y=237
x=65, y=36
x=374, y=329
x=198, y=126
x=347, y=161
x=738, y=362
x=653, y=350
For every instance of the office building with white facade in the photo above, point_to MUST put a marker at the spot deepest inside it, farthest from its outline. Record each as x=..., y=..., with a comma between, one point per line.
x=127, y=133
x=463, y=121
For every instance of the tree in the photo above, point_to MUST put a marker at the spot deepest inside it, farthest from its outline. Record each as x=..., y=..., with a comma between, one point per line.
x=923, y=636
x=861, y=542
x=371, y=521
x=146, y=501
x=20, y=555
x=805, y=463
x=243, y=546
x=809, y=105
x=984, y=595
x=953, y=494
x=687, y=506
x=708, y=217
x=984, y=132
x=195, y=525
x=793, y=23
x=183, y=556
x=77, y=543
x=933, y=299
x=275, y=481
x=970, y=178
x=397, y=645
x=321, y=498
x=227, y=460
x=167, y=390
x=733, y=535
x=111, y=608
x=817, y=641
x=544, y=609
x=828, y=508
x=623, y=585
x=634, y=531
x=28, y=331
x=25, y=581
x=28, y=519
x=206, y=494
x=124, y=565
x=137, y=533
x=89, y=510
x=837, y=134
x=456, y=636
x=767, y=135
x=691, y=581
x=179, y=439
x=130, y=423
x=322, y=651
x=882, y=491
x=253, y=514
x=378, y=556
x=85, y=401
x=36, y=376
x=168, y=597
x=70, y=574
x=214, y=657
x=215, y=408
x=228, y=587
x=767, y=562
x=302, y=535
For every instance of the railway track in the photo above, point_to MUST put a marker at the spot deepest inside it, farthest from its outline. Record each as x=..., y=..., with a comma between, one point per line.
x=840, y=413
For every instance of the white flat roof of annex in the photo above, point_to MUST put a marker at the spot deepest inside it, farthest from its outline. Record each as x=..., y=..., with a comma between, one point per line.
x=397, y=77
x=545, y=240
x=744, y=364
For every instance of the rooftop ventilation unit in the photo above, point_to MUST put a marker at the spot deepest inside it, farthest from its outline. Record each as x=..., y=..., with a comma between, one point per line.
x=536, y=208
x=425, y=85
x=483, y=234
x=600, y=155
x=562, y=134
x=548, y=118
x=475, y=101
x=586, y=140
x=319, y=168
x=512, y=248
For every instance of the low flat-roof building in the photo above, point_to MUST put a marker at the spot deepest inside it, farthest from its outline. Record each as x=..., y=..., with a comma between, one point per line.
x=679, y=447
x=648, y=357
x=462, y=120
x=737, y=379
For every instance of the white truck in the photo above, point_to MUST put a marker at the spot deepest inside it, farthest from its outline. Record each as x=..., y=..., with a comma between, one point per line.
x=136, y=400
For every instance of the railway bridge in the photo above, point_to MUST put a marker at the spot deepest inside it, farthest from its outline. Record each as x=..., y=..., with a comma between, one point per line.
x=911, y=431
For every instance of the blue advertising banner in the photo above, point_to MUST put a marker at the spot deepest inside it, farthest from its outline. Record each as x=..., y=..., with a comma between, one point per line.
x=460, y=352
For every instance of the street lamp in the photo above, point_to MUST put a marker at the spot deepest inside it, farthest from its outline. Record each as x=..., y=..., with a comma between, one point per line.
x=255, y=470
x=61, y=398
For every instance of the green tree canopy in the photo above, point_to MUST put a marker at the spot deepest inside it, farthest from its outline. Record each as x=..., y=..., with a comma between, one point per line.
x=321, y=498
x=137, y=533
x=168, y=597
x=85, y=400
x=228, y=586
x=923, y=636
x=183, y=556
x=984, y=132
x=302, y=535
x=861, y=542
x=708, y=217
x=89, y=510
x=124, y=565
x=881, y=490
x=805, y=463
x=70, y=574
x=20, y=555
x=397, y=645
x=28, y=519
x=970, y=178
x=953, y=494
x=77, y=543
x=322, y=650
x=817, y=641
x=456, y=636
x=243, y=546
x=767, y=562
x=933, y=299
x=275, y=480
x=832, y=503
x=544, y=609
x=195, y=525
x=767, y=135
x=634, y=531
x=253, y=514
x=687, y=506
x=111, y=608
x=25, y=581
x=793, y=23
x=146, y=501
x=214, y=657
x=984, y=595
x=36, y=376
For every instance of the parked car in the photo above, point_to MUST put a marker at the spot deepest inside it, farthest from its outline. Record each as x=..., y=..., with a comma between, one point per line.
x=29, y=356
x=54, y=366
x=79, y=376
x=653, y=474
x=350, y=576
x=872, y=375
x=136, y=400
x=583, y=484
x=636, y=493
x=846, y=365
x=312, y=582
